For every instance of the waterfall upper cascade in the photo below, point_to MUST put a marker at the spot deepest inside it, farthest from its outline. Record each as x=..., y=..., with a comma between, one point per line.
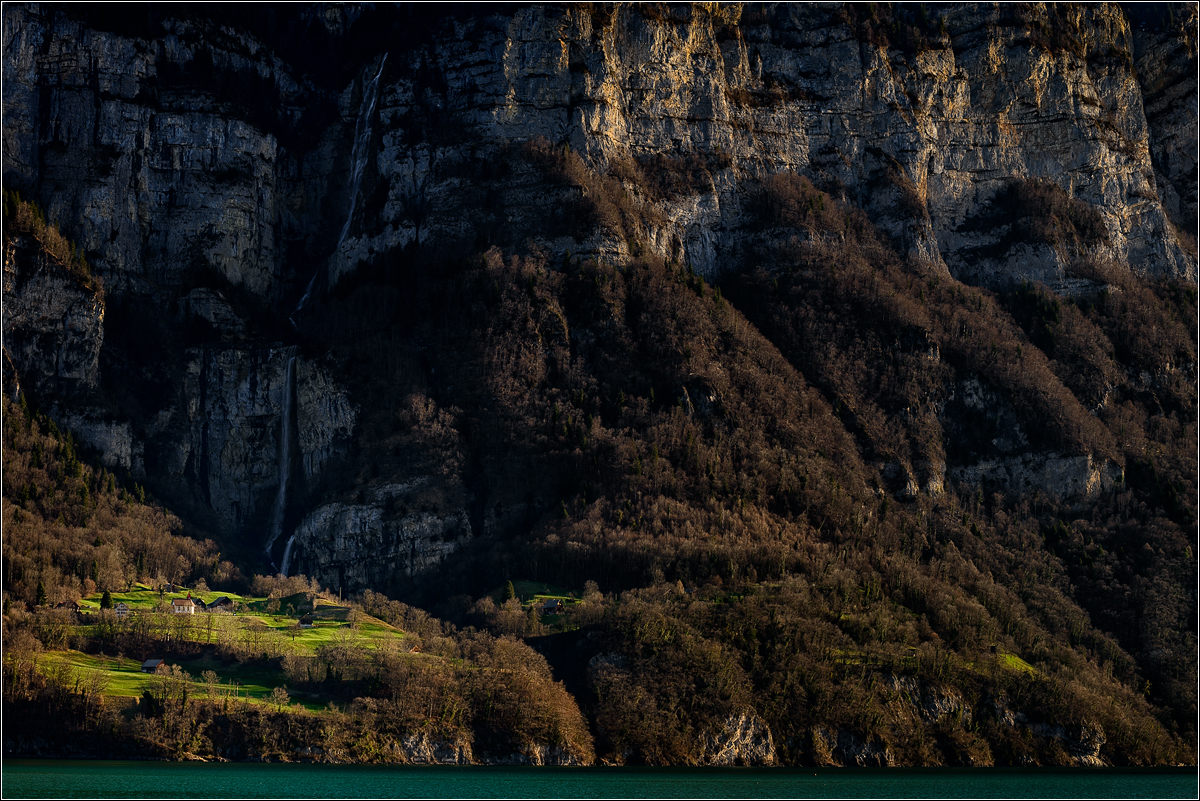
x=286, y=427
x=358, y=160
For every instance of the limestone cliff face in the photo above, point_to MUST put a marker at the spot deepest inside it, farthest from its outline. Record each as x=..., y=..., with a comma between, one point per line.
x=232, y=421
x=215, y=175
x=744, y=740
x=376, y=540
x=924, y=141
x=224, y=438
x=1078, y=477
x=53, y=323
x=325, y=417
x=112, y=439
x=425, y=749
x=920, y=708
x=992, y=450
x=155, y=177
x=1166, y=70
x=175, y=161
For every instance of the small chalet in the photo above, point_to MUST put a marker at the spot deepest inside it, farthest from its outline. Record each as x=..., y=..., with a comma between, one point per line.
x=121, y=610
x=552, y=607
x=154, y=665
x=306, y=622
x=72, y=605
x=222, y=604
x=183, y=606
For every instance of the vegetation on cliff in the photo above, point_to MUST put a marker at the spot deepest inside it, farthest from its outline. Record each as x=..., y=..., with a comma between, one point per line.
x=25, y=217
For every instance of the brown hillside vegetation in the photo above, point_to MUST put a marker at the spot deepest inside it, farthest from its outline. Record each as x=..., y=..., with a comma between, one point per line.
x=74, y=529
x=661, y=440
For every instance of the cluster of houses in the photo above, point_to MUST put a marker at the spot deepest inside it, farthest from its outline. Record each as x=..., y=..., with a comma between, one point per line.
x=179, y=606
x=190, y=605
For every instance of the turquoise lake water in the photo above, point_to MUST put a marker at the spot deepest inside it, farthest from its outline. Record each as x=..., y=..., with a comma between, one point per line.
x=23, y=778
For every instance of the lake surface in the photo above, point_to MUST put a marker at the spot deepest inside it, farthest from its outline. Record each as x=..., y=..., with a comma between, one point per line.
x=29, y=778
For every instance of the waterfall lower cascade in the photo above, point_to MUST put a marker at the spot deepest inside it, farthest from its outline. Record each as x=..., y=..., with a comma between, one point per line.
x=287, y=554
x=358, y=162
x=286, y=426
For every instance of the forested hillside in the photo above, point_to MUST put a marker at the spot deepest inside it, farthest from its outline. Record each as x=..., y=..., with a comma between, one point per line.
x=839, y=371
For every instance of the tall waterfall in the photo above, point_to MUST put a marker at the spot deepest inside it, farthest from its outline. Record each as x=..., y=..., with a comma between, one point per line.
x=286, y=425
x=358, y=160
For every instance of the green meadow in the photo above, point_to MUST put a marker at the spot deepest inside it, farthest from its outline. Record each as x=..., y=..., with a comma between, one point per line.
x=123, y=678
x=258, y=626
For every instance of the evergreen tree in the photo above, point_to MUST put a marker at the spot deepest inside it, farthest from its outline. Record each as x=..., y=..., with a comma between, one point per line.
x=106, y=600
x=41, y=593
x=509, y=590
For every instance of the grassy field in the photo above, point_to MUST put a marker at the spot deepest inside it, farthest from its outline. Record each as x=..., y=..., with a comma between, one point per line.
x=142, y=596
x=369, y=632
x=125, y=678
x=536, y=593
x=279, y=632
x=1017, y=664
x=331, y=621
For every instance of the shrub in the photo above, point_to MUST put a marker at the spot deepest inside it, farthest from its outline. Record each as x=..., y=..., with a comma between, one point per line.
x=1047, y=214
x=676, y=176
x=1039, y=211
x=602, y=201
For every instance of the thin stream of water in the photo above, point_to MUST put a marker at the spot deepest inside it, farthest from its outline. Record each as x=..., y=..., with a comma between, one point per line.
x=358, y=159
x=286, y=415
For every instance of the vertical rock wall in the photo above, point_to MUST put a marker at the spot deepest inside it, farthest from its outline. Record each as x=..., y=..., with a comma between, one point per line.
x=224, y=442
x=209, y=177
x=53, y=322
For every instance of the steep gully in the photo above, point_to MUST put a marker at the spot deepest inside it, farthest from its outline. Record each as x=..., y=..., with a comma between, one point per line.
x=287, y=424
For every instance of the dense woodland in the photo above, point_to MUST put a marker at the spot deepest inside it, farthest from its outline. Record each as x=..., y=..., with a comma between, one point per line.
x=744, y=479
x=71, y=529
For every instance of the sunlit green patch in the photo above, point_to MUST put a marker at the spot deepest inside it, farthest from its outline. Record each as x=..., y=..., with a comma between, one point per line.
x=332, y=624
x=1016, y=663
x=124, y=676
x=530, y=591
